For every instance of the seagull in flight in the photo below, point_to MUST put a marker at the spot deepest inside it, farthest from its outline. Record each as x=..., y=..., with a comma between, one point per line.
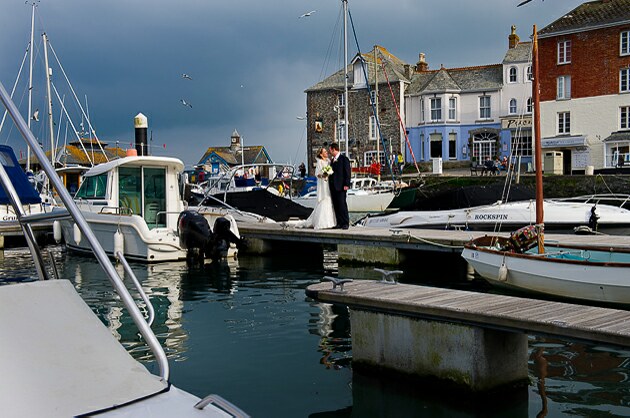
x=524, y=2
x=185, y=103
x=36, y=116
x=186, y=76
x=308, y=14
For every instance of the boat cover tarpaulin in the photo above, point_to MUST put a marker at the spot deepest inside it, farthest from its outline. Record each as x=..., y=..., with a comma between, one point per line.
x=23, y=187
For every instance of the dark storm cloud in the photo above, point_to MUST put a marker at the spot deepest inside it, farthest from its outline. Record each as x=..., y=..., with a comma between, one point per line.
x=250, y=60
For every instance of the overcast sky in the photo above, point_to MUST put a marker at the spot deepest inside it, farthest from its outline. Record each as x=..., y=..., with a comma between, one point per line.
x=250, y=60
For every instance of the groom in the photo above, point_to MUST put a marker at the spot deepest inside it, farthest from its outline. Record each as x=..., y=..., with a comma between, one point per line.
x=339, y=183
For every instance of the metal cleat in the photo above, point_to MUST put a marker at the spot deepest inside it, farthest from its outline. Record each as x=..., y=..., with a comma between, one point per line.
x=336, y=282
x=386, y=275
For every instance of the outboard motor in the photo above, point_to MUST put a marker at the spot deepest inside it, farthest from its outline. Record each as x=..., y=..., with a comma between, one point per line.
x=194, y=232
x=221, y=238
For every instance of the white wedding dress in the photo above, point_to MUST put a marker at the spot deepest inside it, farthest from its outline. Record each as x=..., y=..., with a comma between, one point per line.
x=323, y=216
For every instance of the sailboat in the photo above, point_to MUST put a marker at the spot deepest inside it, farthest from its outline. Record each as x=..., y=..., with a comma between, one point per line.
x=523, y=262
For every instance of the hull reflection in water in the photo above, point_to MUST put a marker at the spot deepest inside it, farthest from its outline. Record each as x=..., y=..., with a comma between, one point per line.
x=247, y=328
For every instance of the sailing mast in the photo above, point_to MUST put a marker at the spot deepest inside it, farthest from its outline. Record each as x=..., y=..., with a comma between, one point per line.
x=51, y=124
x=30, y=86
x=345, y=66
x=540, y=222
x=378, y=145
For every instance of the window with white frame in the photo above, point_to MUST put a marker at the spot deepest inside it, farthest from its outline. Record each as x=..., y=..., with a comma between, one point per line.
x=512, y=75
x=624, y=122
x=529, y=75
x=341, y=100
x=372, y=97
x=371, y=157
x=564, y=123
x=422, y=112
x=436, y=109
x=564, y=52
x=624, y=80
x=452, y=146
x=452, y=108
x=484, y=107
x=624, y=43
x=340, y=131
x=436, y=145
x=564, y=87
x=522, y=143
x=530, y=105
x=512, y=106
x=373, y=128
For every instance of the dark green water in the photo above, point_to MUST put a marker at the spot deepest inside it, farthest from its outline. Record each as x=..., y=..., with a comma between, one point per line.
x=246, y=331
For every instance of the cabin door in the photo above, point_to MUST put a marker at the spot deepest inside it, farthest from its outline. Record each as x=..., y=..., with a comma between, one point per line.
x=143, y=191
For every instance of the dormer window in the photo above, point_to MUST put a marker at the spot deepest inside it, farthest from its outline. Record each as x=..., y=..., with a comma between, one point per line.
x=359, y=75
x=513, y=75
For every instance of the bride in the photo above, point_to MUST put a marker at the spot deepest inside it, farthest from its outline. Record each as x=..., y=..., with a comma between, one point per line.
x=323, y=216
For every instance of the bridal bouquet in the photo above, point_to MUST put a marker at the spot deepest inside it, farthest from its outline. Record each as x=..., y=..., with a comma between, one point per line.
x=327, y=171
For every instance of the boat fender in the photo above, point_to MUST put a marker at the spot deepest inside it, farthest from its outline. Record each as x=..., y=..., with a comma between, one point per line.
x=503, y=272
x=119, y=243
x=77, y=234
x=57, y=231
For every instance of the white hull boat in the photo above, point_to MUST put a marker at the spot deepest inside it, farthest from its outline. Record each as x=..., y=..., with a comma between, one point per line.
x=559, y=216
x=133, y=205
x=582, y=273
x=358, y=200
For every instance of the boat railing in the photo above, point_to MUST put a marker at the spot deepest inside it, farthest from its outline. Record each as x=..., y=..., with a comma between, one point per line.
x=74, y=211
x=121, y=258
x=116, y=210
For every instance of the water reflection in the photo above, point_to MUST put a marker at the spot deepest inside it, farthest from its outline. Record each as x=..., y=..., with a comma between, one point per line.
x=229, y=325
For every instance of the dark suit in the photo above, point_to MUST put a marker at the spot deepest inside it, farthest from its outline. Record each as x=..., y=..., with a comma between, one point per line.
x=338, y=179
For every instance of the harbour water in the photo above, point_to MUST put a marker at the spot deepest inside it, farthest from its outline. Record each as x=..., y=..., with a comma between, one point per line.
x=244, y=329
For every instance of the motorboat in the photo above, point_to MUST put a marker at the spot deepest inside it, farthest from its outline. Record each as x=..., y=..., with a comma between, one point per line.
x=134, y=204
x=69, y=363
x=560, y=216
x=361, y=197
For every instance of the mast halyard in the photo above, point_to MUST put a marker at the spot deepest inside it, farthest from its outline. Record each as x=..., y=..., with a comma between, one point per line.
x=345, y=82
x=540, y=222
x=378, y=142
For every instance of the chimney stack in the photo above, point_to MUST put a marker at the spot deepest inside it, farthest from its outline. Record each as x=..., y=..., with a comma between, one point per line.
x=422, y=65
x=513, y=39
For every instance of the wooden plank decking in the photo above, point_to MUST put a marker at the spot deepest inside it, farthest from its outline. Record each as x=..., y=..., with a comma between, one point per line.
x=405, y=239
x=586, y=323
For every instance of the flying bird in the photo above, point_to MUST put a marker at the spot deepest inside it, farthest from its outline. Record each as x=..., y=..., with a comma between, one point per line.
x=186, y=76
x=36, y=115
x=307, y=14
x=185, y=103
x=524, y=2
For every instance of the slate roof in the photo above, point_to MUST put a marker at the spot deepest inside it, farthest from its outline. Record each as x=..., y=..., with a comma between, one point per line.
x=232, y=155
x=588, y=16
x=521, y=53
x=73, y=154
x=394, y=67
x=467, y=79
x=618, y=136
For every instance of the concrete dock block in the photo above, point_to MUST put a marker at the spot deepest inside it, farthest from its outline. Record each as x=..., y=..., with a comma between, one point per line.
x=474, y=358
x=370, y=254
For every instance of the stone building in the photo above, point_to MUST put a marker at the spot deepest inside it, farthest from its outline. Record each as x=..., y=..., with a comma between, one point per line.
x=368, y=140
